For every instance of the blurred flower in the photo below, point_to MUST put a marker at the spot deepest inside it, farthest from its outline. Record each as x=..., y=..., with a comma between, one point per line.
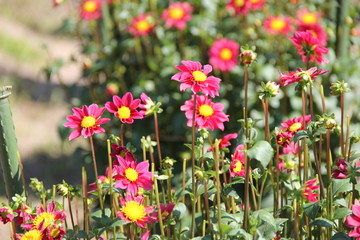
x=133, y=210
x=341, y=171
x=339, y=87
x=122, y=152
x=257, y=4
x=277, y=25
x=239, y=6
x=177, y=15
x=32, y=235
x=131, y=176
x=292, y=148
x=141, y=25
x=207, y=114
x=86, y=121
x=295, y=124
x=316, y=30
x=307, y=17
x=224, y=142
x=269, y=89
x=112, y=89
x=57, y=2
x=125, y=108
x=6, y=214
x=223, y=54
x=237, y=167
x=300, y=75
x=165, y=210
x=353, y=221
x=145, y=236
x=309, y=47
x=309, y=190
x=101, y=179
x=193, y=75
x=247, y=56
x=90, y=9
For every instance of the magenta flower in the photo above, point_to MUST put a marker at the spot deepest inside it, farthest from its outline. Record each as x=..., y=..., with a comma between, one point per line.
x=237, y=167
x=141, y=25
x=292, y=148
x=317, y=31
x=86, y=121
x=295, y=124
x=90, y=9
x=278, y=25
x=165, y=211
x=309, y=190
x=353, y=221
x=193, y=75
x=239, y=6
x=307, y=17
x=207, y=114
x=223, y=54
x=130, y=176
x=133, y=210
x=6, y=214
x=257, y=4
x=125, y=108
x=309, y=47
x=177, y=15
x=224, y=142
x=122, y=152
x=300, y=75
x=341, y=171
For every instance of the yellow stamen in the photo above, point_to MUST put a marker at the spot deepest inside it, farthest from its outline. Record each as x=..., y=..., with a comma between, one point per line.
x=142, y=26
x=226, y=54
x=206, y=110
x=124, y=112
x=239, y=3
x=90, y=6
x=254, y=1
x=88, y=121
x=277, y=24
x=199, y=76
x=309, y=18
x=134, y=211
x=131, y=174
x=238, y=167
x=32, y=235
x=314, y=33
x=295, y=126
x=176, y=13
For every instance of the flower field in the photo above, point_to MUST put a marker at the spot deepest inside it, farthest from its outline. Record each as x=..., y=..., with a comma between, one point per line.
x=205, y=119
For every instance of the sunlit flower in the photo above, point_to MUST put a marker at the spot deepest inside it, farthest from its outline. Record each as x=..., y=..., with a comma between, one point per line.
x=295, y=124
x=353, y=221
x=223, y=54
x=133, y=210
x=309, y=190
x=207, y=114
x=32, y=235
x=237, y=167
x=300, y=75
x=195, y=76
x=177, y=15
x=131, y=176
x=224, y=142
x=90, y=9
x=309, y=47
x=6, y=214
x=284, y=138
x=125, y=108
x=239, y=6
x=307, y=17
x=317, y=31
x=278, y=25
x=86, y=121
x=141, y=25
x=165, y=210
x=257, y=4
x=341, y=171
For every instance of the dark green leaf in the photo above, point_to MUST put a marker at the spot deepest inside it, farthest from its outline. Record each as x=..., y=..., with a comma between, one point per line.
x=300, y=135
x=341, y=213
x=341, y=186
x=311, y=209
x=322, y=222
x=261, y=151
x=340, y=236
x=229, y=191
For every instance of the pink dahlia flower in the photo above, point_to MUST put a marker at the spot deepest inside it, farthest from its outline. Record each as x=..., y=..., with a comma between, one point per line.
x=307, y=17
x=6, y=215
x=295, y=124
x=224, y=142
x=292, y=148
x=141, y=25
x=317, y=31
x=133, y=210
x=353, y=221
x=90, y=9
x=130, y=176
x=341, y=171
x=125, y=108
x=278, y=25
x=257, y=4
x=223, y=54
x=309, y=47
x=86, y=121
x=165, y=211
x=237, y=167
x=239, y=6
x=207, y=114
x=300, y=75
x=193, y=75
x=309, y=191
x=177, y=15
x=284, y=138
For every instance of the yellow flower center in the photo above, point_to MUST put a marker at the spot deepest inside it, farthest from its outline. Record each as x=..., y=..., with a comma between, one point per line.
x=32, y=235
x=238, y=167
x=254, y=1
x=124, y=112
x=295, y=126
x=309, y=18
x=131, y=174
x=90, y=6
x=239, y=3
x=45, y=218
x=134, y=211
x=199, y=76
x=176, y=13
x=314, y=33
x=88, y=121
x=206, y=110
x=54, y=232
x=226, y=54
x=142, y=26
x=277, y=24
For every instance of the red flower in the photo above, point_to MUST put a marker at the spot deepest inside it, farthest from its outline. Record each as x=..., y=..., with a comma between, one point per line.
x=237, y=167
x=309, y=190
x=122, y=152
x=177, y=15
x=316, y=30
x=207, y=114
x=141, y=25
x=342, y=169
x=224, y=142
x=353, y=221
x=90, y=9
x=6, y=215
x=284, y=138
x=125, y=108
x=309, y=47
x=277, y=25
x=295, y=124
x=87, y=121
x=193, y=75
x=223, y=54
x=239, y=6
x=300, y=75
x=165, y=211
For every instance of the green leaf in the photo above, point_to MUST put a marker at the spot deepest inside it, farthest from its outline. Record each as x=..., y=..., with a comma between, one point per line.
x=340, y=236
x=180, y=211
x=322, y=222
x=341, y=186
x=311, y=209
x=300, y=135
x=267, y=218
x=341, y=213
x=229, y=191
x=261, y=151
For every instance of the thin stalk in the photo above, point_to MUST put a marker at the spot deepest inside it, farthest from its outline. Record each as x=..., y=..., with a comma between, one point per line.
x=276, y=193
x=193, y=165
x=296, y=218
x=246, y=193
x=122, y=134
x=342, y=125
x=158, y=205
x=246, y=86
x=94, y=158
x=183, y=173
x=347, y=156
x=262, y=189
x=218, y=185
x=266, y=113
x=318, y=170
x=70, y=210
x=311, y=103
x=21, y=167
x=112, y=210
x=85, y=203
x=157, y=138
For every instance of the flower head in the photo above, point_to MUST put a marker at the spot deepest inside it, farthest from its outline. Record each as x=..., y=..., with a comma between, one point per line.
x=353, y=221
x=269, y=89
x=309, y=190
x=86, y=121
x=284, y=138
x=32, y=235
x=6, y=214
x=237, y=167
x=295, y=124
x=307, y=17
x=300, y=76
x=247, y=56
x=224, y=142
x=207, y=114
x=317, y=31
x=177, y=15
x=309, y=47
x=149, y=106
x=223, y=54
x=165, y=211
x=133, y=210
x=122, y=152
x=141, y=25
x=341, y=171
x=278, y=25
x=90, y=9
x=257, y=4
x=239, y=6
x=195, y=76
x=125, y=108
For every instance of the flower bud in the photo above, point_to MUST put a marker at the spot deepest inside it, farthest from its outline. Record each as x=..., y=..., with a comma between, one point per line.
x=269, y=89
x=247, y=56
x=199, y=175
x=339, y=87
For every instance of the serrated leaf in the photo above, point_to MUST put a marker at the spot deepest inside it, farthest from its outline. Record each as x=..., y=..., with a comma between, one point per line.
x=341, y=186
x=322, y=222
x=261, y=151
x=341, y=213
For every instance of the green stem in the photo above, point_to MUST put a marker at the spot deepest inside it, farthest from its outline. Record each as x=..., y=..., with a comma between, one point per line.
x=157, y=138
x=158, y=205
x=218, y=185
x=193, y=164
x=94, y=158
